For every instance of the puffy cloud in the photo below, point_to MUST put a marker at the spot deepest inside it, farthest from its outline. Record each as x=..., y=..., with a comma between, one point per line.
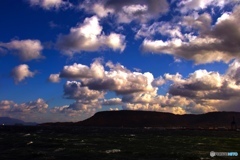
x=75, y=90
x=38, y=106
x=116, y=41
x=26, y=50
x=155, y=107
x=89, y=37
x=54, y=78
x=127, y=10
x=199, y=80
x=70, y=113
x=50, y=4
x=203, y=43
x=112, y=101
x=29, y=111
x=86, y=103
x=78, y=71
x=189, y=5
x=117, y=79
x=234, y=71
x=137, y=10
x=5, y=105
x=207, y=87
x=137, y=90
x=97, y=8
x=19, y=73
x=202, y=91
x=163, y=28
x=158, y=81
x=85, y=97
x=167, y=103
x=121, y=80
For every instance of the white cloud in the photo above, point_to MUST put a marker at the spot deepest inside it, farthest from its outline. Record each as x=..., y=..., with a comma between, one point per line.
x=50, y=4
x=87, y=102
x=70, y=113
x=5, y=105
x=158, y=81
x=202, y=91
x=116, y=41
x=97, y=8
x=117, y=79
x=163, y=28
x=190, y=5
x=75, y=90
x=89, y=37
x=26, y=50
x=210, y=89
x=54, y=78
x=202, y=41
x=137, y=90
x=29, y=111
x=78, y=71
x=19, y=73
x=112, y=101
x=127, y=11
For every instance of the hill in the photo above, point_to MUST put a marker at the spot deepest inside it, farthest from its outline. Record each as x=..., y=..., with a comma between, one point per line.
x=13, y=121
x=127, y=118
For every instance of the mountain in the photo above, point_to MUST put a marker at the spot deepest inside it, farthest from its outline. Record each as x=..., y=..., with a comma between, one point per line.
x=13, y=121
x=127, y=118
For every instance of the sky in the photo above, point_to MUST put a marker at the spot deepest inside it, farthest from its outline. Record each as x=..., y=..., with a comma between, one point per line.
x=66, y=60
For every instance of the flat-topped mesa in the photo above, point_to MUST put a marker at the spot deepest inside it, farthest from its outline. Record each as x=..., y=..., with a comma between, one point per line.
x=127, y=118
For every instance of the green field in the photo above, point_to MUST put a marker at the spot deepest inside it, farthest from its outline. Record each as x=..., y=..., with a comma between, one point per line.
x=114, y=143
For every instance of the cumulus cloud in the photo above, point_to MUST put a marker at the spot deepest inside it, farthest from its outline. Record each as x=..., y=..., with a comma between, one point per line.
x=85, y=98
x=50, y=4
x=190, y=5
x=112, y=101
x=127, y=10
x=117, y=78
x=202, y=91
x=89, y=37
x=75, y=90
x=54, y=78
x=210, y=89
x=29, y=111
x=166, y=103
x=133, y=87
x=87, y=102
x=137, y=90
x=158, y=81
x=19, y=73
x=6, y=105
x=211, y=43
x=78, y=71
x=26, y=50
x=163, y=28
x=96, y=8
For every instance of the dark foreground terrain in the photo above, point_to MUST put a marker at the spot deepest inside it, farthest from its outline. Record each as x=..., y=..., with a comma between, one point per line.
x=38, y=142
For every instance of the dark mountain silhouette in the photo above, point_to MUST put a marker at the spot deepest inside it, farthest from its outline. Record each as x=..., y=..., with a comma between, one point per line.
x=13, y=121
x=126, y=118
x=160, y=119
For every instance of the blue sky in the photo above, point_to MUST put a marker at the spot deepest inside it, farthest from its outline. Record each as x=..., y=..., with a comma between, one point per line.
x=65, y=60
